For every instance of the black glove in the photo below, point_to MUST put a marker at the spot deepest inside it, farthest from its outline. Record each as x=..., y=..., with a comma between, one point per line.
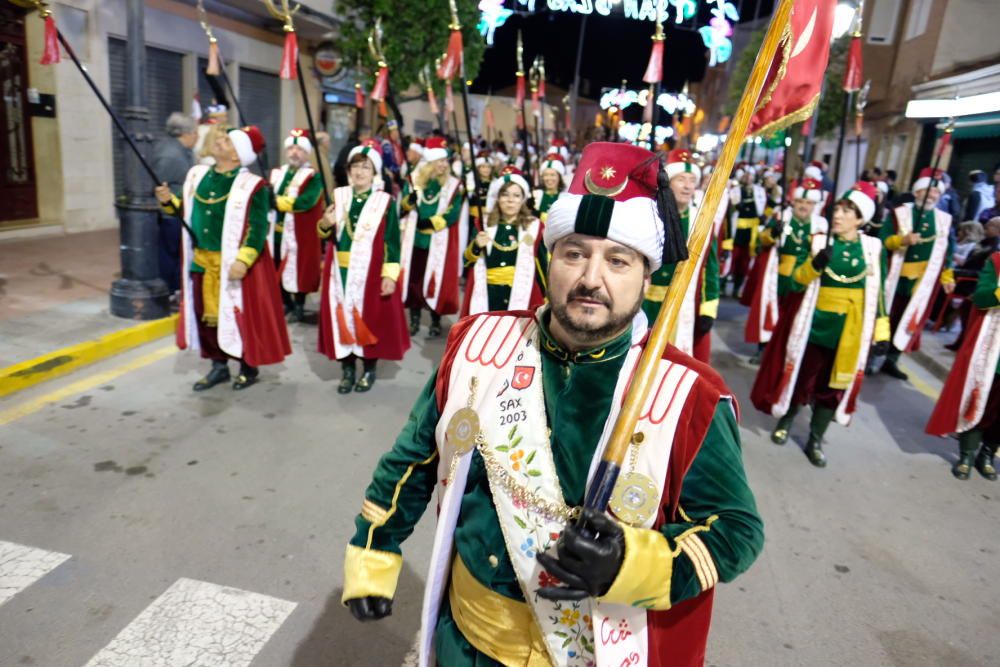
x=881, y=348
x=776, y=230
x=475, y=201
x=822, y=259
x=589, y=556
x=424, y=223
x=371, y=608
x=703, y=324
x=411, y=199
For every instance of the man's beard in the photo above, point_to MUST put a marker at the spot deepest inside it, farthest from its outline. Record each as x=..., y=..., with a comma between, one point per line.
x=592, y=333
x=295, y=162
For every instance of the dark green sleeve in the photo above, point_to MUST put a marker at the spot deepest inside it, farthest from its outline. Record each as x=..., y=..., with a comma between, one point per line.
x=454, y=211
x=309, y=195
x=710, y=282
x=986, y=295
x=715, y=494
x=403, y=481
x=392, y=242
x=542, y=264
x=258, y=225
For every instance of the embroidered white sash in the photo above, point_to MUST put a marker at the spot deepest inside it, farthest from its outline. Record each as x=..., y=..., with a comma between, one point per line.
x=982, y=371
x=350, y=296
x=289, y=244
x=437, y=254
x=683, y=337
x=231, y=291
x=920, y=298
x=524, y=272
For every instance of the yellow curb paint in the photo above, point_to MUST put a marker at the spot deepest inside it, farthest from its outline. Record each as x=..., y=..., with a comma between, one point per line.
x=29, y=373
x=84, y=384
x=921, y=386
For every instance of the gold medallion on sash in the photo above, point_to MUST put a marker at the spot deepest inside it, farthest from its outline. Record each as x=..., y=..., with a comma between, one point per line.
x=636, y=497
x=463, y=427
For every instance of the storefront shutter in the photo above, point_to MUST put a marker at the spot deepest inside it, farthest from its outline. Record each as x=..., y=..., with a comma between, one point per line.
x=260, y=97
x=164, y=95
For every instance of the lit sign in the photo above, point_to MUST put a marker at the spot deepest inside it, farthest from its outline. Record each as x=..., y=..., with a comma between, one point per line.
x=636, y=132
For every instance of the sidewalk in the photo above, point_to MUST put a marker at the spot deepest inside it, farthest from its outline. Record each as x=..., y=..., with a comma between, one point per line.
x=933, y=355
x=54, y=293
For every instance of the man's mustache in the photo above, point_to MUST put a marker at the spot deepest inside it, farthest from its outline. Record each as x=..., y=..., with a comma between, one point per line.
x=587, y=293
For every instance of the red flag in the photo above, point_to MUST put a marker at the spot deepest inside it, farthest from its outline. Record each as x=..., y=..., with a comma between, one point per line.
x=452, y=59
x=569, y=119
x=654, y=70
x=802, y=58
x=945, y=140
x=541, y=89
x=432, y=101
x=806, y=126
x=359, y=96
x=290, y=57
x=519, y=95
x=381, y=87
x=490, y=123
x=852, y=70
x=536, y=106
x=50, y=51
x=213, y=58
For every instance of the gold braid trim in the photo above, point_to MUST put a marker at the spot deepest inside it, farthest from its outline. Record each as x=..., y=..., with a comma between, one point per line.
x=795, y=117
x=786, y=52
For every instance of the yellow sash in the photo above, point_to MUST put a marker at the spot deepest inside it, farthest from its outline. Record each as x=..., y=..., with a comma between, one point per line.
x=211, y=261
x=913, y=270
x=850, y=302
x=657, y=292
x=500, y=275
x=498, y=626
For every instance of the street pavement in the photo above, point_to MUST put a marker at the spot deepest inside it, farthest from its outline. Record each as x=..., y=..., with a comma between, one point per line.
x=143, y=524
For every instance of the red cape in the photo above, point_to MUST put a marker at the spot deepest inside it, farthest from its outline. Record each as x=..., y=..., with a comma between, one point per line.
x=309, y=248
x=753, y=296
x=262, y=320
x=944, y=419
x=768, y=384
x=383, y=316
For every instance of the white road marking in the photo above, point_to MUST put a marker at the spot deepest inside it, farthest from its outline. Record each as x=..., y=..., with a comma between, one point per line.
x=21, y=566
x=197, y=623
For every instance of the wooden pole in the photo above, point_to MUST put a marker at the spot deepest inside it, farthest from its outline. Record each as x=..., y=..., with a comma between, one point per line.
x=603, y=484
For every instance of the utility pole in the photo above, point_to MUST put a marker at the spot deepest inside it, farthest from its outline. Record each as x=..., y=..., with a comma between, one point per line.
x=140, y=293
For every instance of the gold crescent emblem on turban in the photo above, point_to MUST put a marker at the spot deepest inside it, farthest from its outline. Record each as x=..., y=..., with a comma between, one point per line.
x=596, y=189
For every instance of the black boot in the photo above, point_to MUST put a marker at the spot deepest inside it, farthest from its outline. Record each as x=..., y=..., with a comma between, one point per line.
x=297, y=314
x=218, y=374
x=821, y=419
x=890, y=368
x=968, y=443
x=414, y=321
x=349, y=372
x=755, y=359
x=367, y=378
x=985, y=462
x=248, y=376
x=780, y=434
x=434, y=331
x=737, y=283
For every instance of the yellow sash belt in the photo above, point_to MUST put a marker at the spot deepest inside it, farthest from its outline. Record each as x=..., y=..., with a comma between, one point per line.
x=501, y=275
x=786, y=265
x=657, y=292
x=344, y=259
x=498, y=626
x=211, y=261
x=913, y=270
x=849, y=302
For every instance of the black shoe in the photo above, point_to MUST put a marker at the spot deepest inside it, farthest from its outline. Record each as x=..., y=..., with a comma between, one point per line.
x=892, y=370
x=814, y=452
x=347, y=381
x=962, y=467
x=297, y=314
x=218, y=374
x=780, y=435
x=434, y=330
x=366, y=382
x=754, y=360
x=414, y=323
x=985, y=463
x=248, y=376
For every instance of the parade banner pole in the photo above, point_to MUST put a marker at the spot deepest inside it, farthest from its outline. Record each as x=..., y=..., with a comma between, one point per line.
x=945, y=140
x=525, y=134
x=217, y=67
x=600, y=489
x=291, y=68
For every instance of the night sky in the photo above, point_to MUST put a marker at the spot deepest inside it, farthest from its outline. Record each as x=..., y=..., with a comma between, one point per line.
x=614, y=48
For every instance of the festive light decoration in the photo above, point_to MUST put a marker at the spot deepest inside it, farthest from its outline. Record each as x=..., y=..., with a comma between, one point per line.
x=620, y=98
x=492, y=16
x=684, y=10
x=716, y=34
x=637, y=132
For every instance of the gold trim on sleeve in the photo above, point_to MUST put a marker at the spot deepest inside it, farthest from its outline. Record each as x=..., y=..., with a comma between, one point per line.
x=373, y=513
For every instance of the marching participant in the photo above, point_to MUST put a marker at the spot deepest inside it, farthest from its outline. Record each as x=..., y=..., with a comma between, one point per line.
x=298, y=193
x=969, y=404
x=432, y=204
x=414, y=156
x=507, y=258
x=701, y=302
x=818, y=356
x=552, y=175
x=773, y=191
x=748, y=200
x=361, y=309
x=786, y=244
x=506, y=432
x=231, y=305
x=920, y=251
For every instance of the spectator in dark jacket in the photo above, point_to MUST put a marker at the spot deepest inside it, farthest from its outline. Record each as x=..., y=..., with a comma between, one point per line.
x=171, y=160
